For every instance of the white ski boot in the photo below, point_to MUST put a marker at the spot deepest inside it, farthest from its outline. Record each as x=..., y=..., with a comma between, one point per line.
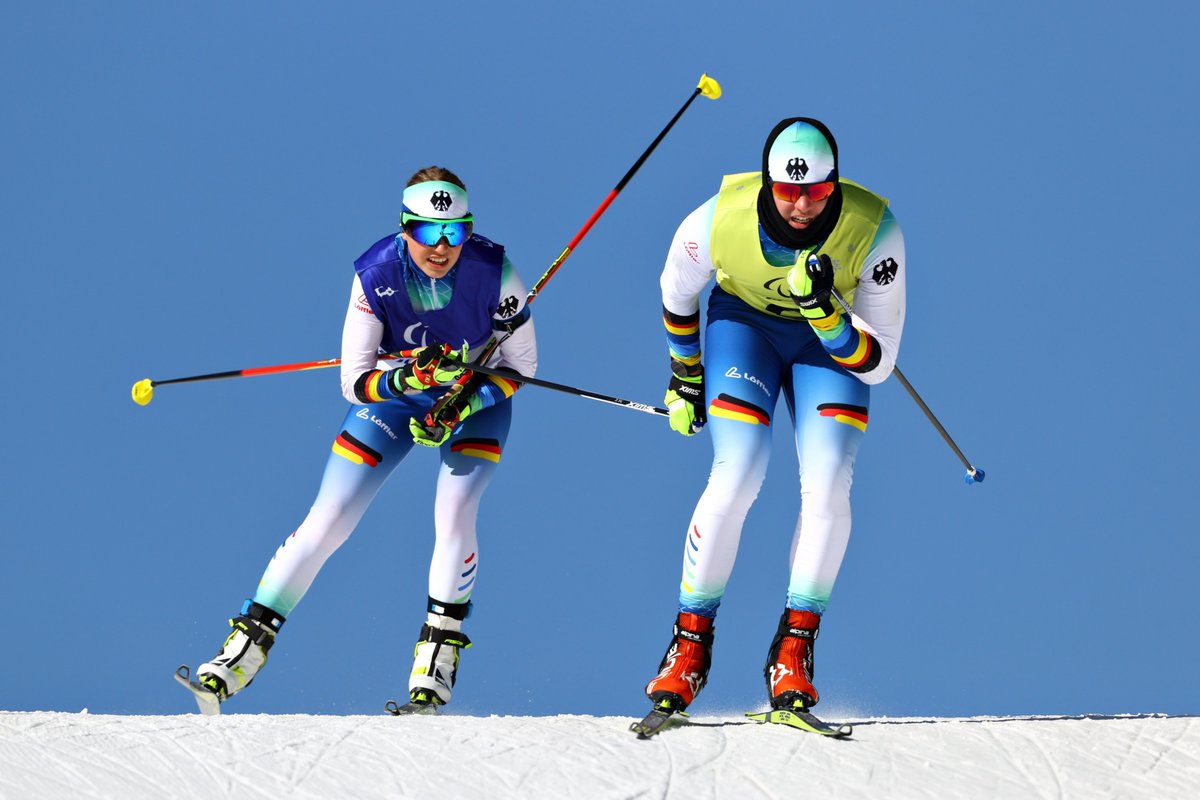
x=244, y=652
x=435, y=658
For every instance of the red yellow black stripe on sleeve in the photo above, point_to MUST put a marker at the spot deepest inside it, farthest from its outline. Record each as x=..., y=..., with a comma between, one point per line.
x=371, y=387
x=504, y=385
x=858, y=356
x=730, y=407
x=681, y=324
x=352, y=449
x=854, y=416
x=478, y=448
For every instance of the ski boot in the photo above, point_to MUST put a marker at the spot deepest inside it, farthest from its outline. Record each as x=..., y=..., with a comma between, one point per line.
x=789, y=668
x=435, y=658
x=244, y=652
x=684, y=668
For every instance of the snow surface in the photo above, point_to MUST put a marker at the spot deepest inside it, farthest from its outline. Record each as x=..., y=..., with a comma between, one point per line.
x=52, y=754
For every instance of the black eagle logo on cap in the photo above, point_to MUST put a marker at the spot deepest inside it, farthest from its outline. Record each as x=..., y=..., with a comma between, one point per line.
x=441, y=200
x=797, y=168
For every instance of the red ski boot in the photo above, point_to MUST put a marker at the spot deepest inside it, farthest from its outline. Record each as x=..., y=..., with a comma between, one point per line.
x=684, y=669
x=789, y=668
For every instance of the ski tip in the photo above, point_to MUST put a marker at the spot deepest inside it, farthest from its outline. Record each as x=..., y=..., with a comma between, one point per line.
x=643, y=731
x=207, y=701
x=660, y=717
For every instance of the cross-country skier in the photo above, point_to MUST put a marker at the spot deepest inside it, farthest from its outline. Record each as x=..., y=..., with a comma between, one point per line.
x=780, y=243
x=440, y=287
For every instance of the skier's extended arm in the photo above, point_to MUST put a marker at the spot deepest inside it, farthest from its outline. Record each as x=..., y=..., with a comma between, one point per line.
x=687, y=271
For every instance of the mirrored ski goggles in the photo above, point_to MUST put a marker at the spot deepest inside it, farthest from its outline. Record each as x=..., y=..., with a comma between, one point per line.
x=791, y=192
x=429, y=232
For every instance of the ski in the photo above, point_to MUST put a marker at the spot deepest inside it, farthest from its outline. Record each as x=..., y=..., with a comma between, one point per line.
x=803, y=720
x=409, y=709
x=206, y=699
x=657, y=720
x=421, y=704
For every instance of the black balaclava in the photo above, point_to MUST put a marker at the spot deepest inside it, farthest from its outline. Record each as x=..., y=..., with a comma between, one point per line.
x=768, y=215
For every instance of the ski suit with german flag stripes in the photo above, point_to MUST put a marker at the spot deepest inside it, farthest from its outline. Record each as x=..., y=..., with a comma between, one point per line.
x=394, y=306
x=756, y=348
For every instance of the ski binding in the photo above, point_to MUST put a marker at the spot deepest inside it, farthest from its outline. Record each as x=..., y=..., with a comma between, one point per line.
x=421, y=704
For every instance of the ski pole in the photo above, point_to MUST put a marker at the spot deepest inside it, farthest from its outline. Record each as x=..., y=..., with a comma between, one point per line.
x=974, y=475
x=143, y=390
x=707, y=87
x=513, y=375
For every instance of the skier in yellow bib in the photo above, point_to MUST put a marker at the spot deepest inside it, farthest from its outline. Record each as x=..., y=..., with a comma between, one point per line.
x=780, y=242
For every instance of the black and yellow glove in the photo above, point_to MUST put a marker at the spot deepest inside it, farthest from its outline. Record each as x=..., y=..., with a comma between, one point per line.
x=685, y=398
x=435, y=428
x=811, y=285
x=430, y=366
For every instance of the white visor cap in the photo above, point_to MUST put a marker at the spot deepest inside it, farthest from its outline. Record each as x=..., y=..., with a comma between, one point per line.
x=436, y=200
x=800, y=154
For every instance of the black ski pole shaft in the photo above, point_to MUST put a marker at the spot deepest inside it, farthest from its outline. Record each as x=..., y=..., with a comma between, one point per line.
x=513, y=375
x=143, y=390
x=974, y=474
x=707, y=87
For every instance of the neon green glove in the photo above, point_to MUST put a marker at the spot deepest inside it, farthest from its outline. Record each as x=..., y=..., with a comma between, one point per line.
x=454, y=406
x=430, y=366
x=685, y=398
x=811, y=285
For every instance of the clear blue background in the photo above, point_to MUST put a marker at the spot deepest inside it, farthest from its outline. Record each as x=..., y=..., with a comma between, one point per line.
x=184, y=189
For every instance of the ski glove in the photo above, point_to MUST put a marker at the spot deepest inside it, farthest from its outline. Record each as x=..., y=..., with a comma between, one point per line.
x=436, y=426
x=685, y=397
x=430, y=366
x=812, y=286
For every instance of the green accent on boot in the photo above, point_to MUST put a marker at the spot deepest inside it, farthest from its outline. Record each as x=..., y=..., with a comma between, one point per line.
x=425, y=698
x=214, y=685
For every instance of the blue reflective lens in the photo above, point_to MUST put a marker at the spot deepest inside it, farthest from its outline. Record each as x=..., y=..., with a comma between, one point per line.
x=431, y=231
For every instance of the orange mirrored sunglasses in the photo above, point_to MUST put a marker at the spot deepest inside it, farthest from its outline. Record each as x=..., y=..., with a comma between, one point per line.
x=791, y=192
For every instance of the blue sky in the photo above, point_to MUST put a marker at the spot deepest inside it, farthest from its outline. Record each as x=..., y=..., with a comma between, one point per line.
x=185, y=189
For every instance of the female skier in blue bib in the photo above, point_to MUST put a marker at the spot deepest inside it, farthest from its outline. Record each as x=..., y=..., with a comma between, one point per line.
x=780, y=242
x=441, y=290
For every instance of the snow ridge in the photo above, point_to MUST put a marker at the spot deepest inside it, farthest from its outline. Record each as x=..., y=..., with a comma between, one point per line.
x=52, y=754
